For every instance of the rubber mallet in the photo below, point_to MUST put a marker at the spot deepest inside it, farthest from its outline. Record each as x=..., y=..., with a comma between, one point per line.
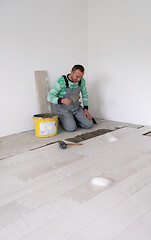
x=63, y=145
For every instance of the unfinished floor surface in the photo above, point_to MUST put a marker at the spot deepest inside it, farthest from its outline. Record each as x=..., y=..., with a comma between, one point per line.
x=100, y=190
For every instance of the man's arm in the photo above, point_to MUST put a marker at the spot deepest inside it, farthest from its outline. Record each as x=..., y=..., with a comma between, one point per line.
x=85, y=99
x=84, y=94
x=53, y=94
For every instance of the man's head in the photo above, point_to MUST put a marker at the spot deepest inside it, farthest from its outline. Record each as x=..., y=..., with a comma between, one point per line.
x=77, y=73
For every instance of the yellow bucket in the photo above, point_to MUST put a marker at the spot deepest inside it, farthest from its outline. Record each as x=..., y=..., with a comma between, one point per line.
x=46, y=125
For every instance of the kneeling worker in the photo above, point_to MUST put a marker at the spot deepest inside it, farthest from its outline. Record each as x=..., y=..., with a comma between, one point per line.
x=65, y=95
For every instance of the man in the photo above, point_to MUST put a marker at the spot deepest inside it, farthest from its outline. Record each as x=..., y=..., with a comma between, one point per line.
x=65, y=95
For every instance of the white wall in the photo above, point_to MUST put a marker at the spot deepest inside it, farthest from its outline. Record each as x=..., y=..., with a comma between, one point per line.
x=36, y=35
x=119, y=60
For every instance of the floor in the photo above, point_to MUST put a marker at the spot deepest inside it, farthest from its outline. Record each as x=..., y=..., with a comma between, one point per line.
x=100, y=190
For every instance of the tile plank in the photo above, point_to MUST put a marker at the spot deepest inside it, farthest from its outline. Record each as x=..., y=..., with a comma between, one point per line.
x=141, y=229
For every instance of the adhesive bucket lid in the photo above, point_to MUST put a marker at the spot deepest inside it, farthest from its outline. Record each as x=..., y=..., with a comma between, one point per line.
x=44, y=115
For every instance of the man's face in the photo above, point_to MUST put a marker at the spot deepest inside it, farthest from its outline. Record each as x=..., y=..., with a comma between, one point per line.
x=76, y=76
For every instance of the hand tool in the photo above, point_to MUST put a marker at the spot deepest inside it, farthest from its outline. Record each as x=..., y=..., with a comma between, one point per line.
x=63, y=145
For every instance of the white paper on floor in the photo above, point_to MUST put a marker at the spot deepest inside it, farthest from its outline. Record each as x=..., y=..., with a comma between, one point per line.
x=102, y=182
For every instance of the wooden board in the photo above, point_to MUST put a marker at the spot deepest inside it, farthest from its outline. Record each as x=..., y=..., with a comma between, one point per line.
x=43, y=88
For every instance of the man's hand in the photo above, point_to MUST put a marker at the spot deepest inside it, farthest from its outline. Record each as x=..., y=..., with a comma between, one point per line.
x=87, y=114
x=66, y=101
